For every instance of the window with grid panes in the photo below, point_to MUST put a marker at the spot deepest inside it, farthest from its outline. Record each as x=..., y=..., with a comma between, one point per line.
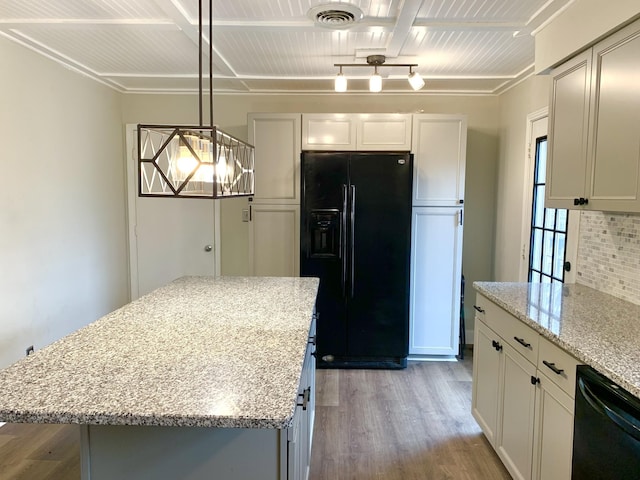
x=548, y=242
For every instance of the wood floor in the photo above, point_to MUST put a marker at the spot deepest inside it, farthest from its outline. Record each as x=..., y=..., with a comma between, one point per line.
x=400, y=425
x=370, y=424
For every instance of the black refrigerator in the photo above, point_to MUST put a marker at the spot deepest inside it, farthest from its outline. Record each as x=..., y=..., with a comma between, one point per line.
x=356, y=237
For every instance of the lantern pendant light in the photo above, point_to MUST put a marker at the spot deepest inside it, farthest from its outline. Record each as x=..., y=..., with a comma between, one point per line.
x=194, y=161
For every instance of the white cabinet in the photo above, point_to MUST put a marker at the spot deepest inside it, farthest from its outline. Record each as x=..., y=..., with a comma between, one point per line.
x=274, y=240
x=522, y=397
x=356, y=131
x=515, y=432
x=487, y=366
x=594, y=155
x=276, y=138
x=436, y=265
x=439, y=145
x=567, y=153
x=553, y=442
x=274, y=212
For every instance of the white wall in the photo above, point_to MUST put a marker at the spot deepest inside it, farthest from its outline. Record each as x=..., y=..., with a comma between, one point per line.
x=581, y=24
x=515, y=105
x=230, y=113
x=63, y=253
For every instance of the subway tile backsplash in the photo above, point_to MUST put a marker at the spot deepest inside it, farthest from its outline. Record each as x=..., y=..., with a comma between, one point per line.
x=609, y=254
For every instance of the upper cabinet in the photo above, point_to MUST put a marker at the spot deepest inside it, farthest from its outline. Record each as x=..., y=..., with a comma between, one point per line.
x=594, y=155
x=356, y=131
x=276, y=137
x=440, y=151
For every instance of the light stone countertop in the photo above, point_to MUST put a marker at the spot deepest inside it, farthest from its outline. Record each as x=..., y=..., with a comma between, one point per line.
x=598, y=329
x=201, y=351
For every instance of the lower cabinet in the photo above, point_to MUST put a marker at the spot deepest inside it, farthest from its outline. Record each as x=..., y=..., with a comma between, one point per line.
x=274, y=240
x=300, y=435
x=523, y=395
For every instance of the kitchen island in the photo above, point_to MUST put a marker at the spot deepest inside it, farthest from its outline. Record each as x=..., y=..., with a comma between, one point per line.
x=207, y=377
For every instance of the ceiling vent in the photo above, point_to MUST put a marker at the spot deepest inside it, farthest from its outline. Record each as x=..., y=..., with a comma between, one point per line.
x=335, y=15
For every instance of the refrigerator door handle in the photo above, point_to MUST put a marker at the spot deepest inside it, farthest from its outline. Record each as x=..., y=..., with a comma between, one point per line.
x=353, y=237
x=343, y=239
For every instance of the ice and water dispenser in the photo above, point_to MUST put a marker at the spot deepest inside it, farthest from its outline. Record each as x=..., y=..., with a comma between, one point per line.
x=324, y=233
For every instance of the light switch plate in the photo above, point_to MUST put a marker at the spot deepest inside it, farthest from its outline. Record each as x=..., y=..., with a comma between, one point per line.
x=245, y=214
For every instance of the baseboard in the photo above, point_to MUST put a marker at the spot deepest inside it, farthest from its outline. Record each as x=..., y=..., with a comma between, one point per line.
x=432, y=358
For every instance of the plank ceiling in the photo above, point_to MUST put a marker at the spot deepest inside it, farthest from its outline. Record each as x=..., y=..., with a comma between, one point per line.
x=264, y=46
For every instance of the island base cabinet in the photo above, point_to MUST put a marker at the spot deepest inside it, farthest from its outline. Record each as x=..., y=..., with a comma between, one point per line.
x=188, y=453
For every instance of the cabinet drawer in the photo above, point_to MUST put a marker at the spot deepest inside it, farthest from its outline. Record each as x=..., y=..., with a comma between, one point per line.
x=509, y=328
x=558, y=365
x=480, y=307
x=521, y=337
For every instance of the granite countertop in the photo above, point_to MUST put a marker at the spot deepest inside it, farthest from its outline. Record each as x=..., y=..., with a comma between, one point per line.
x=596, y=328
x=201, y=351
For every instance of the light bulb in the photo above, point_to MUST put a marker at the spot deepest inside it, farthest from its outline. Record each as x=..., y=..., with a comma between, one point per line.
x=375, y=83
x=415, y=80
x=341, y=83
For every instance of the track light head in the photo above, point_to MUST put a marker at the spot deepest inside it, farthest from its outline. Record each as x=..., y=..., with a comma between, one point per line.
x=340, y=82
x=415, y=80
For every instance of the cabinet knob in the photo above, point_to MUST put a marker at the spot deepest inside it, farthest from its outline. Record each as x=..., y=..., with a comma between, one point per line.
x=496, y=345
x=581, y=201
x=534, y=380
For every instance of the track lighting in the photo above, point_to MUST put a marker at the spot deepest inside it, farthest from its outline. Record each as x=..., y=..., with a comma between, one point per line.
x=375, y=81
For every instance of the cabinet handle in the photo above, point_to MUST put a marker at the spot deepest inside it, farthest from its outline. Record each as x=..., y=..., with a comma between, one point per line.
x=481, y=310
x=522, y=342
x=553, y=367
x=312, y=340
x=534, y=380
x=496, y=345
x=306, y=395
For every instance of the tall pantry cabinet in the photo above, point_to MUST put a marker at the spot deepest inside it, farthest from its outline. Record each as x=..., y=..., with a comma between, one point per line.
x=274, y=211
x=438, y=143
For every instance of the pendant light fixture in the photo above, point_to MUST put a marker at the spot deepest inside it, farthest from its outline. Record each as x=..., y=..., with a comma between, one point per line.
x=375, y=81
x=194, y=161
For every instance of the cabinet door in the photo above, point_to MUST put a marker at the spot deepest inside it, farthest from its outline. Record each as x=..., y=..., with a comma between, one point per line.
x=274, y=240
x=276, y=137
x=436, y=270
x=328, y=131
x=515, y=430
x=487, y=365
x=439, y=145
x=615, y=123
x=567, y=165
x=553, y=442
x=390, y=132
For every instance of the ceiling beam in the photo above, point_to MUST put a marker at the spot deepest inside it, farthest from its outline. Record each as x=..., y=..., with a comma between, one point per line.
x=402, y=29
x=174, y=10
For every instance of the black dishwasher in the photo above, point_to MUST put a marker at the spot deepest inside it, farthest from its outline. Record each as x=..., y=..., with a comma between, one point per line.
x=606, y=436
